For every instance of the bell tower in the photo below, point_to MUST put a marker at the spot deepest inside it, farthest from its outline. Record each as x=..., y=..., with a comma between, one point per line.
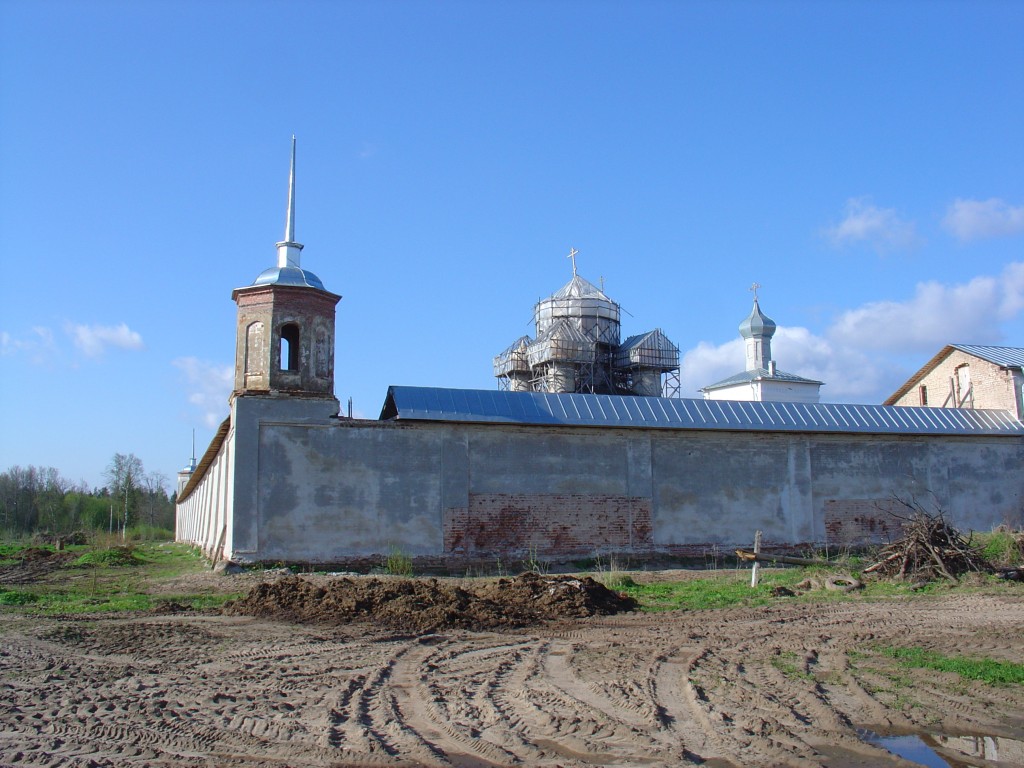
x=284, y=345
x=757, y=331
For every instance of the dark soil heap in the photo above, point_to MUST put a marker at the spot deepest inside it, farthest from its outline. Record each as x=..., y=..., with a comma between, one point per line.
x=423, y=606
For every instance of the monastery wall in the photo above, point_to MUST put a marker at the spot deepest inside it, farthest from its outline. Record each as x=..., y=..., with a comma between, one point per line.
x=201, y=517
x=322, y=490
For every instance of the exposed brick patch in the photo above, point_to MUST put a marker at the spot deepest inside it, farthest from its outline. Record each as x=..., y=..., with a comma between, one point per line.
x=552, y=525
x=863, y=521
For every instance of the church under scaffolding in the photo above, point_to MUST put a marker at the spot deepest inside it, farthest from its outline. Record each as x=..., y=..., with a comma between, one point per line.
x=577, y=349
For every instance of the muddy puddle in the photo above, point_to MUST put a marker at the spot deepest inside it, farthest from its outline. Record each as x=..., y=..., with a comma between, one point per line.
x=938, y=750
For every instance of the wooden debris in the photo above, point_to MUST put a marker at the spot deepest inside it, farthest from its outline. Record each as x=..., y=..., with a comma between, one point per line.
x=929, y=549
x=760, y=557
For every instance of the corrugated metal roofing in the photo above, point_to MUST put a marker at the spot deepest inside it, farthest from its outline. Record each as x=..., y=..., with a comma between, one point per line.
x=1008, y=357
x=473, y=405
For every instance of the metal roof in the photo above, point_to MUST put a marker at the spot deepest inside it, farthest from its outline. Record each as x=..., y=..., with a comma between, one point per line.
x=757, y=324
x=579, y=288
x=288, y=276
x=621, y=411
x=1007, y=357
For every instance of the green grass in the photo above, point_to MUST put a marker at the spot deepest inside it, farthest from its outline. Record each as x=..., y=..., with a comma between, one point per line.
x=112, y=578
x=16, y=597
x=114, y=557
x=715, y=591
x=12, y=553
x=788, y=664
x=999, y=547
x=9, y=551
x=732, y=589
x=398, y=563
x=991, y=671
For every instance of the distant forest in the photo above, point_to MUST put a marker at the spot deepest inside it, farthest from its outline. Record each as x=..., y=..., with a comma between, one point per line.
x=40, y=500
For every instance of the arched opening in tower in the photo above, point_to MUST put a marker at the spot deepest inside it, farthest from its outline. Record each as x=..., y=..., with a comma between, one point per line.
x=290, y=347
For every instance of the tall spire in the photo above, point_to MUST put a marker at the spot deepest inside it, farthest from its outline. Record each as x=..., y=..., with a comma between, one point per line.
x=288, y=250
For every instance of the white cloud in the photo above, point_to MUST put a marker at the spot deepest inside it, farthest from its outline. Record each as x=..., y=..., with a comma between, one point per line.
x=868, y=351
x=707, y=363
x=39, y=347
x=977, y=219
x=208, y=385
x=881, y=228
x=94, y=340
x=937, y=314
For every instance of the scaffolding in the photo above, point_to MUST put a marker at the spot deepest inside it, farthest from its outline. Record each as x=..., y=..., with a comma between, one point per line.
x=577, y=349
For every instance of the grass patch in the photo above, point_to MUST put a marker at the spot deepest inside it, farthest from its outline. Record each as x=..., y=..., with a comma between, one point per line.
x=112, y=578
x=788, y=664
x=1001, y=547
x=17, y=597
x=989, y=671
x=204, y=602
x=14, y=554
x=11, y=551
x=114, y=557
x=613, y=575
x=398, y=563
x=732, y=589
x=715, y=591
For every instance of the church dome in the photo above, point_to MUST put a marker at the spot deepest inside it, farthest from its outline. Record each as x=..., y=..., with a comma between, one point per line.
x=289, y=276
x=758, y=324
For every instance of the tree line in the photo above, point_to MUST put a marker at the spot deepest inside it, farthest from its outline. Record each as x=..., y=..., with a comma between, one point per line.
x=34, y=499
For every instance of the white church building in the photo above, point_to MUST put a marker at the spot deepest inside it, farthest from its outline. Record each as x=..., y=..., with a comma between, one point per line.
x=761, y=380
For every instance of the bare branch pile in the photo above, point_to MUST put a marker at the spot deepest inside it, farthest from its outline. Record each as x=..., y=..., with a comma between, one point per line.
x=930, y=549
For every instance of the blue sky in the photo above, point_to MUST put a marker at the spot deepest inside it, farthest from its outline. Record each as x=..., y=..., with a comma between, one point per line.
x=863, y=162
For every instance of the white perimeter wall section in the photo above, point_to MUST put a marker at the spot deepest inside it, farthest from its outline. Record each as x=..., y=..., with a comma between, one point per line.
x=289, y=483
x=203, y=515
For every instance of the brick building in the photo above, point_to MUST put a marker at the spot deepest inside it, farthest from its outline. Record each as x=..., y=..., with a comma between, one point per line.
x=968, y=376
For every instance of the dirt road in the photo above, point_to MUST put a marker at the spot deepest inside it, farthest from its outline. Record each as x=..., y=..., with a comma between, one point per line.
x=786, y=685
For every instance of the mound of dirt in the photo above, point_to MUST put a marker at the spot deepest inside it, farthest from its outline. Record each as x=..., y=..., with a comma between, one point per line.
x=423, y=606
x=555, y=597
x=35, y=554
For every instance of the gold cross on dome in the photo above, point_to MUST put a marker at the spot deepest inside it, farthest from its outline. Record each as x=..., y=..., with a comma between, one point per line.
x=572, y=255
x=754, y=287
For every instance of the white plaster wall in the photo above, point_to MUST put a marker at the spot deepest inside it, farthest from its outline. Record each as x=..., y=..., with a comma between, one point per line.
x=202, y=518
x=789, y=392
x=768, y=391
x=746, y=391
x=329, y=490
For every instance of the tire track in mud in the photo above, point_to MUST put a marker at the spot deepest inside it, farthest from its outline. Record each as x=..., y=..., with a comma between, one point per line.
x=785, y=685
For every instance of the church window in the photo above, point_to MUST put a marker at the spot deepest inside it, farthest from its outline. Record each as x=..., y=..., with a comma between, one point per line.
x=923, y=392
x=290, y=347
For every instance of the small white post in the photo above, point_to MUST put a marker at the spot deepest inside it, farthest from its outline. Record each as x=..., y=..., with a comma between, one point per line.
x=754, y=573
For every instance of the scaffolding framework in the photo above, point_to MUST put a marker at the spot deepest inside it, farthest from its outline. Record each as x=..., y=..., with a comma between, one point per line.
x=577, y=349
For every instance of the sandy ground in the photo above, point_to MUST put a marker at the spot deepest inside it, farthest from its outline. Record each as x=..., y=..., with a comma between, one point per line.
x=785, y=685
